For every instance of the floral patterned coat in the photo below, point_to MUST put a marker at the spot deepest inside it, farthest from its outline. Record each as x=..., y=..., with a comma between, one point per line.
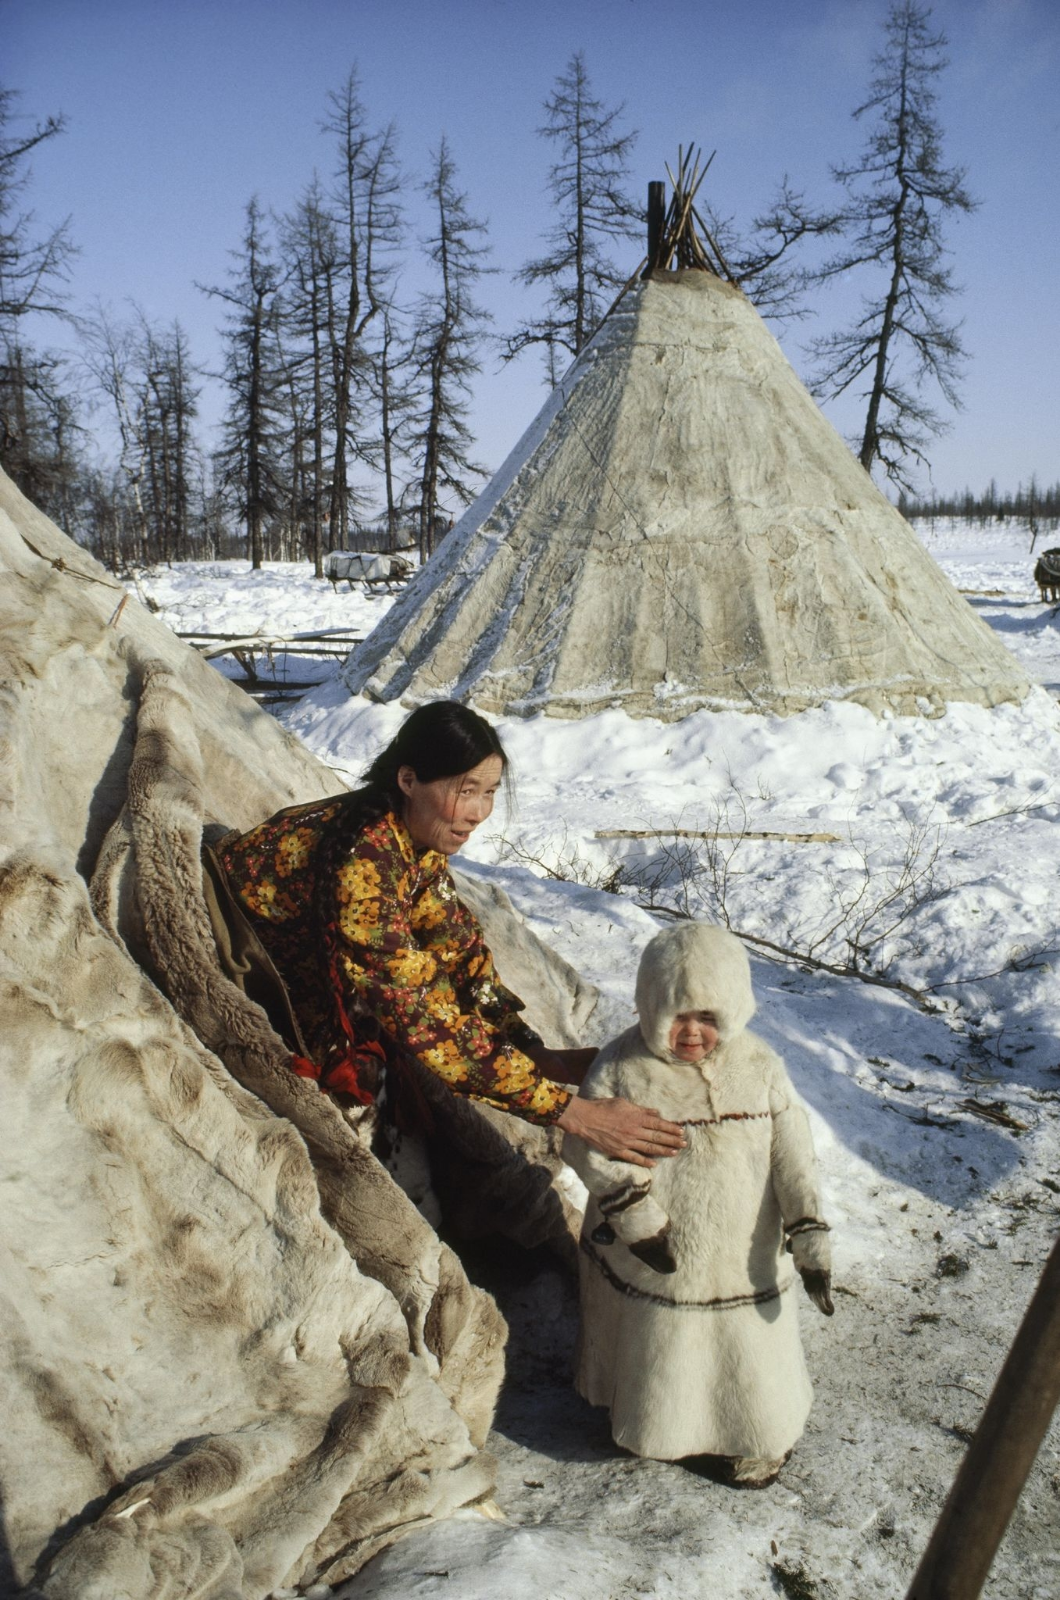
x=379, y=956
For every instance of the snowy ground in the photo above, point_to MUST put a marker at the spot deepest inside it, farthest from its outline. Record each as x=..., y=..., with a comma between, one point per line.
x=933, y=863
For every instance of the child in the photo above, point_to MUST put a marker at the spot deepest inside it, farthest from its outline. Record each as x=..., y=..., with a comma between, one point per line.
x=689, y=1330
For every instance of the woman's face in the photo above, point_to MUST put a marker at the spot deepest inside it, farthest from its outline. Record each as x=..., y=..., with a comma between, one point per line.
x=693, y=1035
x=442, y=815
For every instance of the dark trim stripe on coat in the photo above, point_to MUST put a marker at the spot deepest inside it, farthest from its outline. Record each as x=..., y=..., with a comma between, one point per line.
x=726, y=1116
x=621, y=1199
x=720, y=1303
x=807, y=1225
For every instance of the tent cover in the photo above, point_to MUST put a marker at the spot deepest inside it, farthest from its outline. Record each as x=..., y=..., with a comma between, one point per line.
x=682, y=528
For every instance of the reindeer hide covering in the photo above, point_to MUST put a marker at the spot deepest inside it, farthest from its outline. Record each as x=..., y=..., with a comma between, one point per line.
x=234, y=1356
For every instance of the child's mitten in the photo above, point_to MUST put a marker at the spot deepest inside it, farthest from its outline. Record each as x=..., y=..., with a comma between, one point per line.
x=811, y=1251
x=655, y=1252
x=818, y=1286
x=633, y=1213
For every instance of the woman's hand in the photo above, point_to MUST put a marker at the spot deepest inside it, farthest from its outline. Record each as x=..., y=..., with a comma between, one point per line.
x=622, y=1130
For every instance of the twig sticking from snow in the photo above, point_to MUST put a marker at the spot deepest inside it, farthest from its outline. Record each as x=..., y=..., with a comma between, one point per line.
x=1025, y=963
x=837, y=970
x=994, y=1111
x=1015, y=811
x=715, y=833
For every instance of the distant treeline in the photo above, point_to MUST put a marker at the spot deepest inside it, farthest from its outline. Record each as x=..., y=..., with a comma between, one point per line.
x=1037, y=506
x=351, y=337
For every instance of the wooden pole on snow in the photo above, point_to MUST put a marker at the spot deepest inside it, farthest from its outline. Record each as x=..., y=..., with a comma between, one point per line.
x=985, y=1491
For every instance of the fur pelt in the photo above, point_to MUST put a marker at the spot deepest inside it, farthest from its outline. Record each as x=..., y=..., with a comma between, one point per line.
x=183, y=1332
x=233, y=1355
x=706, y=1359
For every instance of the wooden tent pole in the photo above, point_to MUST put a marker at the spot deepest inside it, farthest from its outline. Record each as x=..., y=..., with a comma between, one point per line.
x=985, y=1491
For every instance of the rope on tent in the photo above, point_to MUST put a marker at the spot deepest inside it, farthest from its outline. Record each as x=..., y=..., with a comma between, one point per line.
x=60, y=565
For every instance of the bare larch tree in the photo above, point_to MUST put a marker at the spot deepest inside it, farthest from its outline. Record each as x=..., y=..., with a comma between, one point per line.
x=593, y=213
x=898, y=193
x=764, y=260
x=109, y=357
x=369, y=227
x=33, y=266
x=393, y=389
x=247, y=459
x=311, y=255
x=449, y=330
x=37, y=408
x=168, y=405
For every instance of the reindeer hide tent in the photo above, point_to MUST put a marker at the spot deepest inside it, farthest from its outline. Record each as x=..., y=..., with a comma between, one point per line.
x=682, y=528
x=234, y=1355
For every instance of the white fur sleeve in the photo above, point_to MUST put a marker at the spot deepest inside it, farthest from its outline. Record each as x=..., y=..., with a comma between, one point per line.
x=794, y=1172
x=621, y=1189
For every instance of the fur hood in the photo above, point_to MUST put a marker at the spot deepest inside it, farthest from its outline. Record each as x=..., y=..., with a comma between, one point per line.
x=693, y=967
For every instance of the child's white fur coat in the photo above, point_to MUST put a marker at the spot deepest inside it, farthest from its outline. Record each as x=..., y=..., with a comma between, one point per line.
x=706, y=1360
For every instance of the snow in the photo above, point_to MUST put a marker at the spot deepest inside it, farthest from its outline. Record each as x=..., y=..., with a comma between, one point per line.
x=933, y=859
x=281, y=599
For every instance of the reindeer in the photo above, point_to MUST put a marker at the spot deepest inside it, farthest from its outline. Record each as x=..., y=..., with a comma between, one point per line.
x=1047, y=574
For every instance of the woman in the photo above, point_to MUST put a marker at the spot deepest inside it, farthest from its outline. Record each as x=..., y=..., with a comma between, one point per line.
x=353, y=900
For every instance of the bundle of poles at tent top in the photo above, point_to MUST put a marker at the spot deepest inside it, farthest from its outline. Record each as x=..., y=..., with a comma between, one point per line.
x=678, y=235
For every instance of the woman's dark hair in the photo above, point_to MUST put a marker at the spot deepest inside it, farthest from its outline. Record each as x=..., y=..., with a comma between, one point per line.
x=441, y=740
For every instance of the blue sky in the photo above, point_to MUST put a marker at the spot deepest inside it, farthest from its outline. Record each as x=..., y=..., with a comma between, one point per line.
x=180, y=110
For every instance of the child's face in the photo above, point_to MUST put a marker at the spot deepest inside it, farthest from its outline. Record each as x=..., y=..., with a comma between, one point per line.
x=693, y=1035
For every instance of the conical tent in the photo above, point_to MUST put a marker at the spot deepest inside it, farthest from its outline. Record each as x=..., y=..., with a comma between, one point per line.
x=682, y=528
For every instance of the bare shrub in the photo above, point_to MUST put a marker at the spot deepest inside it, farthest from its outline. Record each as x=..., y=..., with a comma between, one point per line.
x=875, y=897
x=874, y=891
x=565, y=862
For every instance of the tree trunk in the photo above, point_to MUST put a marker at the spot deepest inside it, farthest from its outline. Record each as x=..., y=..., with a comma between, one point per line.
x=870, y=443
x=254, y=432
